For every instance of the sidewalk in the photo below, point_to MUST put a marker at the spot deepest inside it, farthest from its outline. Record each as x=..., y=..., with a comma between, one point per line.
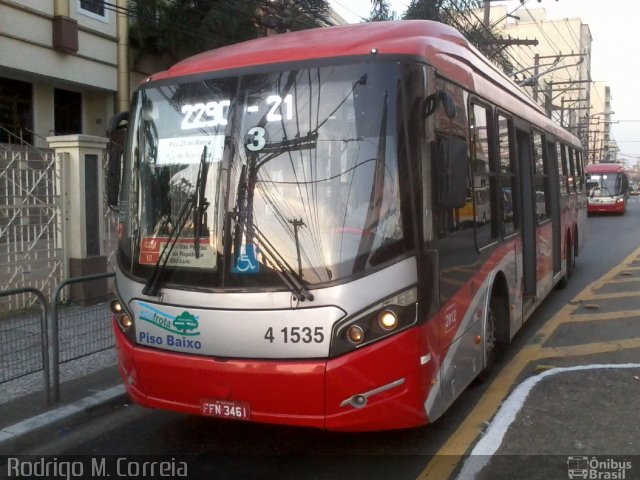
x=568, y=422
x=87, y=367
x=28, y=415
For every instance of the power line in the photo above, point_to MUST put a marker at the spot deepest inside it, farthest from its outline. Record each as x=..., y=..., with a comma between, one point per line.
x=349, y=10
x=509, y=14
x=552, y=44
x=470, y=9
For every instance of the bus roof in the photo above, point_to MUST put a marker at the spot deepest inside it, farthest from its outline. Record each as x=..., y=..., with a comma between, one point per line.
x=604, y=168
x=438, y=44
x=409, y=37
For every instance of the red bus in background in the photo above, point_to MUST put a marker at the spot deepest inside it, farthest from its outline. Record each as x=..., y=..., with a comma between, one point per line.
x=607, y=188
x=301, y=238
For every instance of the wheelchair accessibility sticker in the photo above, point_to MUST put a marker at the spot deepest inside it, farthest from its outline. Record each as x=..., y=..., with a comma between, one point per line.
x=246, y=260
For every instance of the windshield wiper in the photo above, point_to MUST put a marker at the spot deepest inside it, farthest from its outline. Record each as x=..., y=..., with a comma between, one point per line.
x=287, y=274
x=201, y=203
x=152, y=287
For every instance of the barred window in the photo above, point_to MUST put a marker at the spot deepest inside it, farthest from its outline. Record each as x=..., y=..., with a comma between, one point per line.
x=93, y=6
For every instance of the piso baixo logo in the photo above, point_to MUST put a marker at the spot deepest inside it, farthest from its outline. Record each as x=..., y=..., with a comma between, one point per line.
x=180, y=328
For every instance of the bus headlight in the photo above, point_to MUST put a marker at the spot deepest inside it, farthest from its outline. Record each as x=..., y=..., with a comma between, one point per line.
x=116, y=307
x=388, y=320
x=125, y=321
x=123, y=318
x=379, y=321
x=355, y=334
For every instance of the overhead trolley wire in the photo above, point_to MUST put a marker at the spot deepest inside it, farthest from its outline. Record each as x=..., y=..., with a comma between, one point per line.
x=469, y=9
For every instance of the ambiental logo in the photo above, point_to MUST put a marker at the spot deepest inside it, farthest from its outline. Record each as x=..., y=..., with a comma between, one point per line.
x=185, y=324
x=597, y=468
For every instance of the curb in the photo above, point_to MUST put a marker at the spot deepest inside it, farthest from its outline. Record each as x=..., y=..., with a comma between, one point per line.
x=11, y=435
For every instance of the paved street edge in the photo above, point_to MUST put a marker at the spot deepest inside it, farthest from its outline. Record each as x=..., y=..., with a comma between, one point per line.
x=10, y=435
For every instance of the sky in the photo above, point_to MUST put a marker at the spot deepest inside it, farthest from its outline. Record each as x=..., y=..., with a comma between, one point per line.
x=615, y=51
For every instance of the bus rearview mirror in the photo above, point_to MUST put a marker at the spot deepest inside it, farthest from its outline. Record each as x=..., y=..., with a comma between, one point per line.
x=441, y=97
x=117, y=135
x=454, y=165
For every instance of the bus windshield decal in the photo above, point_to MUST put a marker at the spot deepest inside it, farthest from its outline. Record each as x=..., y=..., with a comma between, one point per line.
x=188, y=150
x=246, y=260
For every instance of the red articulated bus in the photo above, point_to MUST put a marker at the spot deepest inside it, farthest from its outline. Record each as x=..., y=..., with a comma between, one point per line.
x=296, y=242
x=607, y=188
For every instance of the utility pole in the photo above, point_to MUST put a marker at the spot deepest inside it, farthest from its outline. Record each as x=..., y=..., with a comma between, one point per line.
x=503, y=42
x=487, y=13
x=536, y=73
x=548, y=100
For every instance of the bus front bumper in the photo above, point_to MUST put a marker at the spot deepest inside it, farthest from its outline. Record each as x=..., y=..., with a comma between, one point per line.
x=606, y=207
x=380, y=387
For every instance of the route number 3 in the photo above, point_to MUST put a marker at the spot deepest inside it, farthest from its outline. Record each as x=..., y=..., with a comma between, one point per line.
x=257, y=139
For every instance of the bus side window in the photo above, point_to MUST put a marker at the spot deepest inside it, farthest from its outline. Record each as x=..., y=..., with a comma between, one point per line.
x=454, y=225
x=572, y=171
x=483, y=177
x=452, y=131
x=563, y=176
x=507, y=175
x=541, y=179
x=579, y=171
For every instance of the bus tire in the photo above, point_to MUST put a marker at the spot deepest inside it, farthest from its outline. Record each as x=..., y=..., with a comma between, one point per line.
x=495, y=328
x=569, y=262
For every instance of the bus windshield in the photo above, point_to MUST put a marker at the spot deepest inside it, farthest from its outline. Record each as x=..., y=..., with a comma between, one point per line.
x=603, y=185
x=235, y=179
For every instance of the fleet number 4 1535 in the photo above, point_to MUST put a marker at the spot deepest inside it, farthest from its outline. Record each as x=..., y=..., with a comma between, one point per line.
x=295, y=335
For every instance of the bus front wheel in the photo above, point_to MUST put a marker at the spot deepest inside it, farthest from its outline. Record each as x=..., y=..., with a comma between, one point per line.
x=494, y=343
x=569, y=261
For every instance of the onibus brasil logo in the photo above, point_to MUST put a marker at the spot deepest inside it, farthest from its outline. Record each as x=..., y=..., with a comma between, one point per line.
x=183, y=325
x=597, y=468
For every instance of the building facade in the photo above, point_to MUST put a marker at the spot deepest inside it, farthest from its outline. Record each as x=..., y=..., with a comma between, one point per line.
x=58, y=69
x=65, y=67
x=601, y=147
x=557, y=70
x=557, y=74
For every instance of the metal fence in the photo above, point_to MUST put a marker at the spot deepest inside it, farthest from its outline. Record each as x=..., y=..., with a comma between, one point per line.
x=33, y=263
x=79, y=330
x=31, y=220
x=33, y=249
x=24, y=341
x=61, y=331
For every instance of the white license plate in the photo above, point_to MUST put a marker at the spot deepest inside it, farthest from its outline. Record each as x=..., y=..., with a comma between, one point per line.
x=226, y=409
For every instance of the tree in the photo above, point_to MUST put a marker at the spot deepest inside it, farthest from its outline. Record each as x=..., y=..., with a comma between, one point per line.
x=460, y=15
x=381, y=11
x=291, y=15
x=451, y=12
x=181, y=28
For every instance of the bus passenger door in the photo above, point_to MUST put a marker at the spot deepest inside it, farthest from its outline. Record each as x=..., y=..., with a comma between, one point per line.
x=527, y=218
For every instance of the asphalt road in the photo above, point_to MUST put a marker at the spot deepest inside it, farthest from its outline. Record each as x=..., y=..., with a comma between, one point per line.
x=233, y=450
